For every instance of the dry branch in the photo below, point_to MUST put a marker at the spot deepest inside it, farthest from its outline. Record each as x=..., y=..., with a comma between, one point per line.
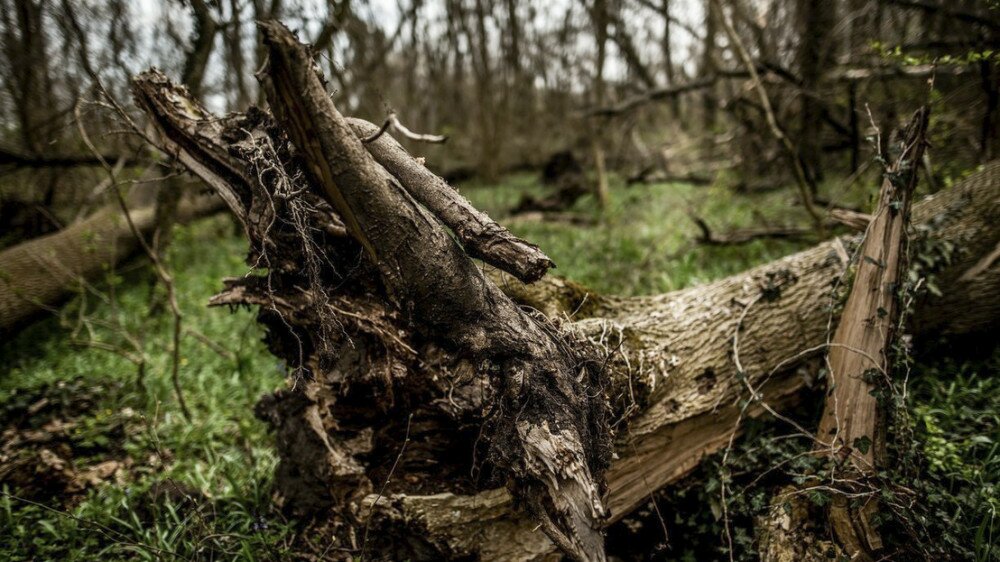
x=746, y=235
x=393, y=121
x=950, y=12
x=481, y=237
x=856, y=220
x=834, y=75
x=804, y=183
x=655, y=94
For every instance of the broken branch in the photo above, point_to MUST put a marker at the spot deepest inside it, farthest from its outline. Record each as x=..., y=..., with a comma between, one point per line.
x=393, y=121
x=481, y=237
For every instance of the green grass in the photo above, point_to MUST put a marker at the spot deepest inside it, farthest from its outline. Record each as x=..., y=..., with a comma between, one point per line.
x=223, y=453
x=223, y=456
x=956, y=422
x=643, y=243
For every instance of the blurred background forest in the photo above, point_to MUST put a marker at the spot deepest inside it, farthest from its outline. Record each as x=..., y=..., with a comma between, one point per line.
x=645, y=145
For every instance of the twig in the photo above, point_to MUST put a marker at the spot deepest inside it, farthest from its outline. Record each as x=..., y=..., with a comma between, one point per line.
x=209, y=343
x=388, y=478
x=158, y=266
x=392, y=121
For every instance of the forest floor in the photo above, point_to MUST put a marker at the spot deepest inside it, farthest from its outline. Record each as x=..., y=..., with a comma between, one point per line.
x=96, y=460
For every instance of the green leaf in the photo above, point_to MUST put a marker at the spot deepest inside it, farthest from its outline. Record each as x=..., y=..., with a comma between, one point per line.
x=862, y=444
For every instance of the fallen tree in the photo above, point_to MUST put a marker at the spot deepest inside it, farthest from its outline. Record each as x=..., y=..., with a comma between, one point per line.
x=425, y=405
x=39, y=273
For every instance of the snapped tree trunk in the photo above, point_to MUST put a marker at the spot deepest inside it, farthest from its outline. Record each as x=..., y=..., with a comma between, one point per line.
x=429, y=417
x=861, y=356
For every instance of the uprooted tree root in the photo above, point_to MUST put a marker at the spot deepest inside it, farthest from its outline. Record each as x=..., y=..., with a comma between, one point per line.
x=385, y=322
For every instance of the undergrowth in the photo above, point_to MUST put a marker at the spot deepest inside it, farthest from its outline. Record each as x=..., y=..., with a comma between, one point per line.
x=218, y=466
x=954, y=475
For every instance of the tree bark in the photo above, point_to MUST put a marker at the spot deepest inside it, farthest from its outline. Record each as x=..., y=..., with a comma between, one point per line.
x=548, y=435
x=676, y=353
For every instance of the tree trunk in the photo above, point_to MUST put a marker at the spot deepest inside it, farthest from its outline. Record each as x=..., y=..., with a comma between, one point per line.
x=668, y=61
x=708, y=68
x=816, y=54
x=674, y=358
x=599, y=18
x=413, y=371
x=203, y=40
x=37, y=274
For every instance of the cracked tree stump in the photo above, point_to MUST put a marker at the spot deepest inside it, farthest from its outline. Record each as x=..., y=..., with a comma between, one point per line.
x=852, y=429
x=425, y=405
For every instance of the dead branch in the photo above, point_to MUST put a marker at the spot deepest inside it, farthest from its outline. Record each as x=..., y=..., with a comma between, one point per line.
x=851, y=218
x=647, y=176
x=949, y=11
x=747, y=235
x=481, y=237
x=806, y=189
x=162, y=273
x=393, y=121
x=834, y=75
x=655, y=94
